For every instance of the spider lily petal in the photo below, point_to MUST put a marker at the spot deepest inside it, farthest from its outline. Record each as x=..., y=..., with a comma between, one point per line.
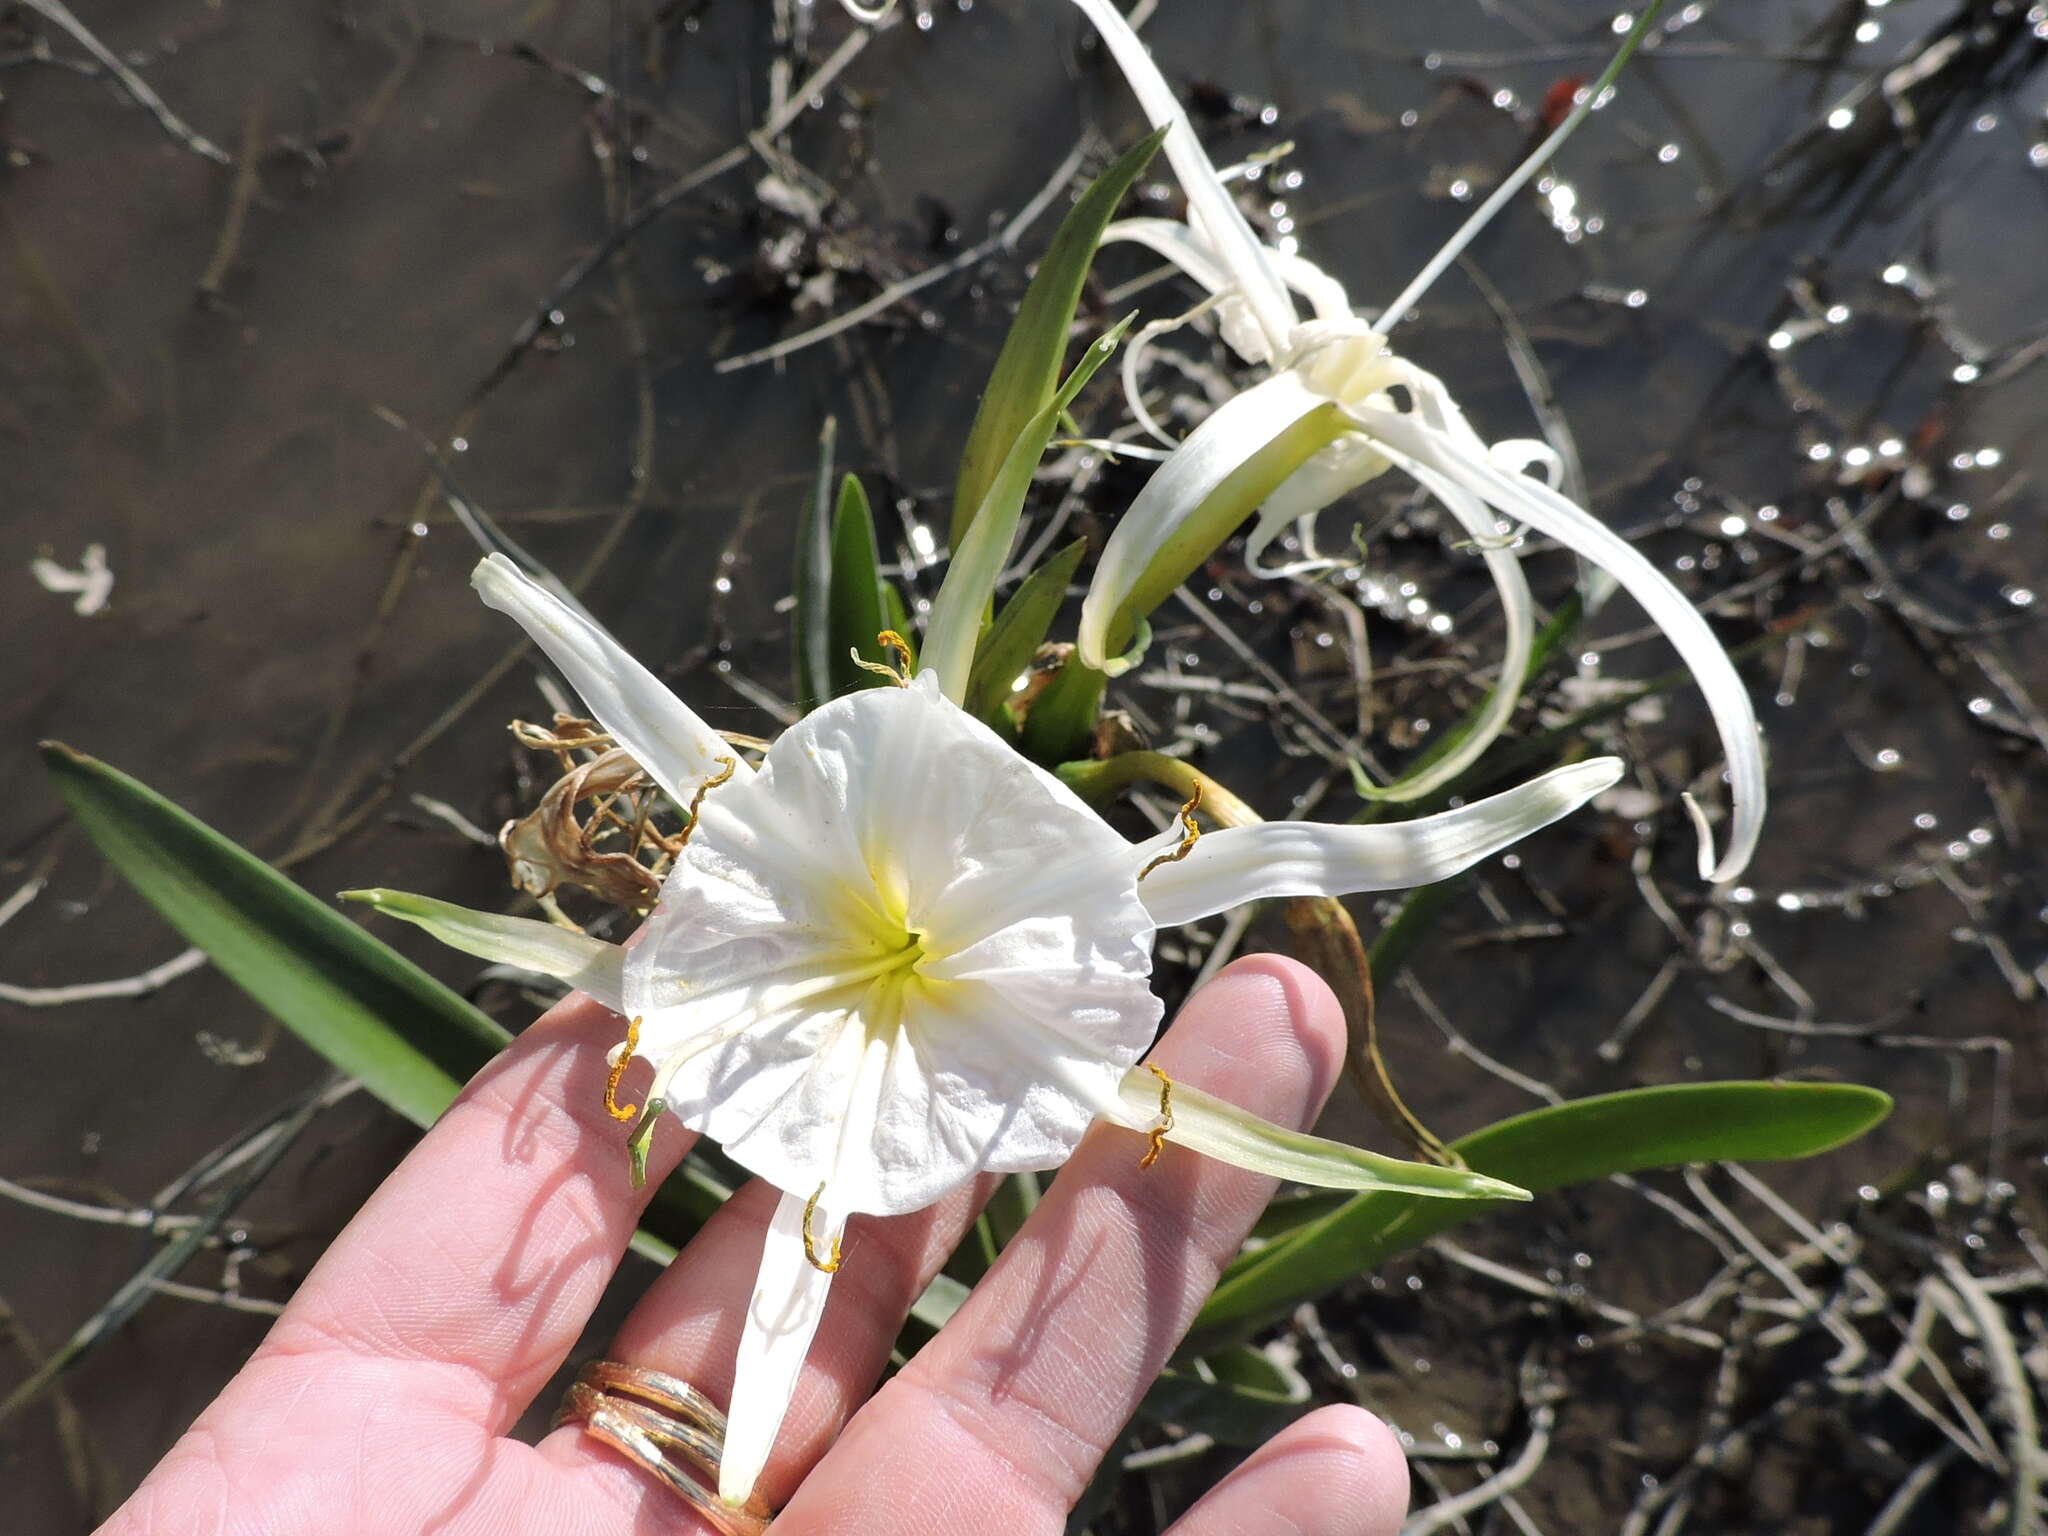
x=589, y=965
x=1213, y=215
x=1167, y=535
x=789, y=1298
x=1219, y=1129
x=1192, y=502
x=1183, y=246
x=1179, y=244
x=1550, y=512
x=664, y=735
x=1233, y=865
x=1518, y=619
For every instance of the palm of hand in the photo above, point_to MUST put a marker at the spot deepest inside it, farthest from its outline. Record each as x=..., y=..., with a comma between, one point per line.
x=382, y=1399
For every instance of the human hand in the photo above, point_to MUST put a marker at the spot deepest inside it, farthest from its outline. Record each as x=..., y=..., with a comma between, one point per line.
x=381, y=1399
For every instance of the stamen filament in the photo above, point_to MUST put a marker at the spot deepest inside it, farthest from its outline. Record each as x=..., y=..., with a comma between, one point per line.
x=612, y=1106
x=1190, y=834
x=1156, y=1137
x=824, y=1266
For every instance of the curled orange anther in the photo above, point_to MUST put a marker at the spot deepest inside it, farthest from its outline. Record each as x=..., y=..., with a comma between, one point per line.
x=1156, y=1137
x=612, y=1106
x=1190, y=834
x=889, y=640
x=826, y=1266
x=727, y=765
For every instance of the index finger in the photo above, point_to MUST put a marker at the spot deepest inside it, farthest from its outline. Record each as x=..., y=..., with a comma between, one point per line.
x=477, y=1262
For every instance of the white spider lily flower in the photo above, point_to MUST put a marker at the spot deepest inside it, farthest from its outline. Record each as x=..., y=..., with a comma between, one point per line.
x=1339, y=409
x=900, y=955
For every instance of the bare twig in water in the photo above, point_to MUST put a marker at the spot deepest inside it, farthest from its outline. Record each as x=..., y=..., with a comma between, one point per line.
x=240, y=196
x=59, y=14
x=1541, y=1398
x=668, y=197
x=155, y=979
x=163, y=1265
x=87, y=1466
x=1004, y=239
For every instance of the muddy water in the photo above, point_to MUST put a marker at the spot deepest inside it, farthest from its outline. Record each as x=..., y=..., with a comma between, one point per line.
x=191, y=366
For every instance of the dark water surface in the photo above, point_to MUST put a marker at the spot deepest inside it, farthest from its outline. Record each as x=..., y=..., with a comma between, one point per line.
x=1737, y=308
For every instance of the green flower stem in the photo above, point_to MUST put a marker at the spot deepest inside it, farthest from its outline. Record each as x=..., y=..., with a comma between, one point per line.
x=1096, y=782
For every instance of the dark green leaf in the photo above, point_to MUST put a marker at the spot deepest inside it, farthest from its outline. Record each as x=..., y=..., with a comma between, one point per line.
x=1020, y=628
x=811, y=623
x=859, y=609
x=363, y=1006
x=1028, y=369
x=1293, y=1210
x=960, y=613
x=358, y=1002
x=1543, y=1150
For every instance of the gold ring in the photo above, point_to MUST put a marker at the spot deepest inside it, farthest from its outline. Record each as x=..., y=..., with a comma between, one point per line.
x=656, y=1420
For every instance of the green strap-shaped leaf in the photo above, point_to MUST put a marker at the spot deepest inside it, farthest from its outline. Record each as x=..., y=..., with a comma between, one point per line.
x=960, y=612
x=1543, y=1150
x=1019, y=630
x=363, y=1006
x=1028, y=369
x=360, y=1004
x=858, y=606
x=811, y=622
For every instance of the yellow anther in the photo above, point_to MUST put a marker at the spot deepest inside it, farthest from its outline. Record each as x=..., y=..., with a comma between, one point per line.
x=1190, y=834
x=612, y=1106
x=888, y=640
x=726, y=767
x=1156, y=1137
x=827, y=1266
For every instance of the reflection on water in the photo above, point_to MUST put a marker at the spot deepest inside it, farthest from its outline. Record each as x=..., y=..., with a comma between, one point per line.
x=1782, y=302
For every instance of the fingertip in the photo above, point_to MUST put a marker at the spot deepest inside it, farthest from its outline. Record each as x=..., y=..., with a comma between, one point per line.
x=1286, y=996
x=1367, y=1470
x=1336, y=1472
